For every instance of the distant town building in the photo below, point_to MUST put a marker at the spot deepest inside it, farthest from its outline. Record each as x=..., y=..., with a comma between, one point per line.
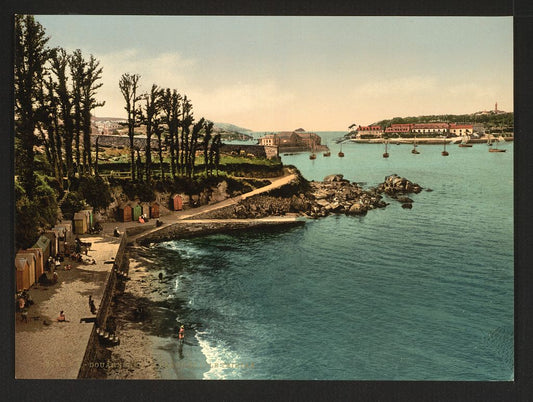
x=430, y=128
x=295, y=140
x=398, y=128
x=370, y=130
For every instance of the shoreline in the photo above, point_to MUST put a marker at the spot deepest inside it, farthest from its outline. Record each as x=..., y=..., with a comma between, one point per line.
x=423, y=140
x=149, y=346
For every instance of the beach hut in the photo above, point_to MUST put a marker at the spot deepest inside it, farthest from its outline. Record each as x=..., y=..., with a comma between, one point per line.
x=89, y=214
x=154, y=210
x=69, y=234
x=53, y=236
x=137, y=211
x=30, y=257
x=61, y=233
x=124, y=213
x=45, y=245
x=40, y=261
x=80, y=223
x=176, y=202
x=22, y=267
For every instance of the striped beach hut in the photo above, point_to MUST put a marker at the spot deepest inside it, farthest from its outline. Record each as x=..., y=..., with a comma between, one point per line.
x=89, y=213
x=40, y=261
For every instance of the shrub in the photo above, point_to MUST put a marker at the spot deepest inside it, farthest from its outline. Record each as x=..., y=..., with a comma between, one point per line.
x=72, y=203
x=96, y=192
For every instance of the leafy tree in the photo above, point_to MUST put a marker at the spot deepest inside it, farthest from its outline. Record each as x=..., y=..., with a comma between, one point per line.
x=96, y=192
x=30, y=55
x=72, y=203
x=77, y=70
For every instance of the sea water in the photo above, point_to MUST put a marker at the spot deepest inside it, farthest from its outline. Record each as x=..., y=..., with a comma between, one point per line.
x=420, y=294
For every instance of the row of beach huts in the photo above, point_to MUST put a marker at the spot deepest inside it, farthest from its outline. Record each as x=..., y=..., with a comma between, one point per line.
x=128, y=213
x=32, y=262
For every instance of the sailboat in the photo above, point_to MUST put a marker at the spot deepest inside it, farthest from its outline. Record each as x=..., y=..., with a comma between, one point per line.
x=328, y=152
x=313, y=155
x=386, y=154
x=341, y=154
x=444, y=152
x=414, y=150
x=464, y=142
x=496, y=149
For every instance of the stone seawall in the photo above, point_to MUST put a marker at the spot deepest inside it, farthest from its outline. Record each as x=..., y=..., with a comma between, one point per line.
x=93, y=352
x=200, y=227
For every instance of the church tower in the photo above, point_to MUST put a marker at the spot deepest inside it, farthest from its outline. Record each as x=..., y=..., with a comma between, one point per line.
x=496, y=107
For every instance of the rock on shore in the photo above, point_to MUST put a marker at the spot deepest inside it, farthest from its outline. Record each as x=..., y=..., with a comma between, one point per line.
x=333, y=195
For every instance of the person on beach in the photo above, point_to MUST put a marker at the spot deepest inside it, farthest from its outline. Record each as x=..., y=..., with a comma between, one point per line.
x=91, y=305
x=160, y=276
x=181, y=334
x=61, y=317
x=116, y=232
x=141, y=220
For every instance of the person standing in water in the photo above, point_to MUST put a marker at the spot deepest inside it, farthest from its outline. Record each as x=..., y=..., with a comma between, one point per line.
x=181, y=334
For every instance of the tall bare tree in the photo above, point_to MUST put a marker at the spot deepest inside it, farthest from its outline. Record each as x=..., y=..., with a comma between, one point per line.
x=150, y=116
x=92, y=74
x=129, y=84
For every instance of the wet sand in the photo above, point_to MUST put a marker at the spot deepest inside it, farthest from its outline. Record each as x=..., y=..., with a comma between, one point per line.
x=149, y=347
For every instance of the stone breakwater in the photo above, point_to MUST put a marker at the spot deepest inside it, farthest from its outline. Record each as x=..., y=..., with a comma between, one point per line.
x=334, y=195
x=199, y=227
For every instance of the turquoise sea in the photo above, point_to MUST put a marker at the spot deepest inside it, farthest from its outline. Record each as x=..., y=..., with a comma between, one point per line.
x=420, y=294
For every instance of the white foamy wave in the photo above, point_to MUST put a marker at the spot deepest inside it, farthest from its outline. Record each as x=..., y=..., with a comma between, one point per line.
x=224, y=362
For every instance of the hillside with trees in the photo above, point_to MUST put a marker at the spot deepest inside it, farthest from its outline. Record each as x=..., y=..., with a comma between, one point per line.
x=491, y=120
x=57, y=169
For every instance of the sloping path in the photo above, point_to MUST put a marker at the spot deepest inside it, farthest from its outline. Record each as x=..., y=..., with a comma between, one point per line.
x=177, y=216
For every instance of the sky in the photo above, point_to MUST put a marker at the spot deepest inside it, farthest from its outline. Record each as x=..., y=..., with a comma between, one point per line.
x=269, y=73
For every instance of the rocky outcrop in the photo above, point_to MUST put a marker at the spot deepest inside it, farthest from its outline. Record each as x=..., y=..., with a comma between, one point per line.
x=334, y=195
x=396, y=185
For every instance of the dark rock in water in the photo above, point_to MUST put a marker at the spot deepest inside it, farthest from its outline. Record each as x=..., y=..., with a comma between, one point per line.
x=429, y=190
x=357, y=209
x=333, y=178
x=407, y=205
x=404, y=199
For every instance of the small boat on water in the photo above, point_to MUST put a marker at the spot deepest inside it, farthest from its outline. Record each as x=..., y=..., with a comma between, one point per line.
x=328, y=152
x=495, y=148
x=341, y=154
x=464, y=142
x=386, y=154
x=444, y=152
x=414, y=150
x=312, y=156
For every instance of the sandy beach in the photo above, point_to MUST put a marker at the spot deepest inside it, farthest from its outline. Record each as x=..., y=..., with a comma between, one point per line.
x=45, y=348
x=149, y=347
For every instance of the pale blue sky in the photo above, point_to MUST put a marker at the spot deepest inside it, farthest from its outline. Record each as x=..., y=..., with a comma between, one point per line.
x=320, y=73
